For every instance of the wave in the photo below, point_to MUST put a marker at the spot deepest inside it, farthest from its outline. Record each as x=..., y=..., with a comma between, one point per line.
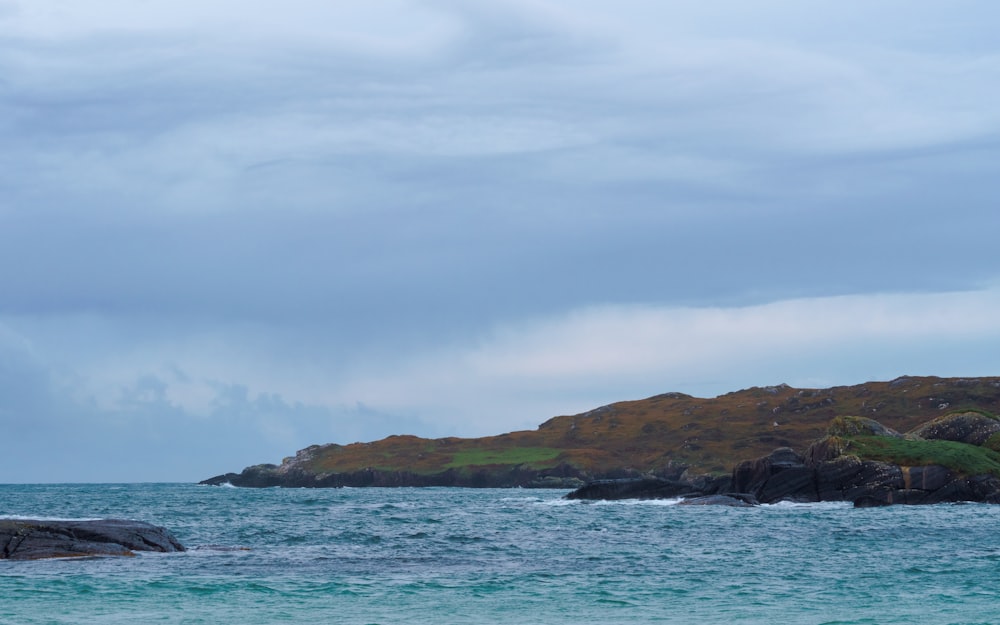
x=611, y=502
x=832, y=505
x=21, y=517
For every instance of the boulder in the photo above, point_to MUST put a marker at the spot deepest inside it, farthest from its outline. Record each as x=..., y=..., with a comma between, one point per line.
x=826, y=448
x=860, y=426
x=34, y=539
x=971, y=428
x=733, y=500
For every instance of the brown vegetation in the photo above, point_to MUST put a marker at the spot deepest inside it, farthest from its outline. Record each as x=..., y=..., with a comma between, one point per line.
x=664, y=432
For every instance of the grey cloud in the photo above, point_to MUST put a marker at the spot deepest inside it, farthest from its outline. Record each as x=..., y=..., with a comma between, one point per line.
x=336, y=204
x=144, y=436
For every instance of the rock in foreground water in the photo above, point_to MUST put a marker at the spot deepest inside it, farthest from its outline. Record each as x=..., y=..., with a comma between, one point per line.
x=34, y=539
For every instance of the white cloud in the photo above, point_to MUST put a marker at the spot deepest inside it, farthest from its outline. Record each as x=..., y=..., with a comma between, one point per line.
x=617, y=351
x=626, y=352
x=446, y=210
x=389, y=25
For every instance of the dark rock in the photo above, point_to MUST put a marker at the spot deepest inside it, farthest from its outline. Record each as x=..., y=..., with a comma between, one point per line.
x=834, y=477
x=785, y=476
x=641, y=488
x=986, y=488
x=908, y=496
x=873, y=476
x=887, y=497
x=294, y=475
x=790, y=484
x=782, y=475
x=931, y=477
x=961, y=489
x=219, y=480
x=708, y=484
x=735, y=500
x=869, y=501
x=33, y=539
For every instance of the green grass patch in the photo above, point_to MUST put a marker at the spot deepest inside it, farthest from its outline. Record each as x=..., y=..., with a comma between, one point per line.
x=993, y=442
x=536, y=457
x=959, y=457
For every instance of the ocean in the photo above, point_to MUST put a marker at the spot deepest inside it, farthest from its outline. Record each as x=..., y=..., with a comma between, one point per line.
x=447, y=556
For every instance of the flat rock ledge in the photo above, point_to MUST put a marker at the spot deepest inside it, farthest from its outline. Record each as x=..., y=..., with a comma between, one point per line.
x=36, y=539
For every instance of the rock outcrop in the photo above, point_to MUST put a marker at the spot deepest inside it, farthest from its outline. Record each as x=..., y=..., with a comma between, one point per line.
x=291, y=476
x=863, y=482
x=638, y=488
x=971, y=428
x=731, y=501
x=34, y=539
x=950, y=459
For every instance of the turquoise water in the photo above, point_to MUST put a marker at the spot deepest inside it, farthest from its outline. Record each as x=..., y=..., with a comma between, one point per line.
x=448, y=556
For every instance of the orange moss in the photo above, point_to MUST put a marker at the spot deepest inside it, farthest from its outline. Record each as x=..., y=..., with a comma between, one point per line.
x=707, y=434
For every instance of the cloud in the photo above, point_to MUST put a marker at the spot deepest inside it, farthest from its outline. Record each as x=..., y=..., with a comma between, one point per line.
x=66, y=422
x=603, y=354
x=187, y=406
x=243, y=222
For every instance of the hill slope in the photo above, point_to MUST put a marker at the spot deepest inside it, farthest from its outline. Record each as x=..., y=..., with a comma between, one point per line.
x=662, y=435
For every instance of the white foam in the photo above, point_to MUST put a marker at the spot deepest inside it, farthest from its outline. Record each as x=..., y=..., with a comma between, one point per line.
x=558, y=502
x=809, y=504
x=610, y=502
x=19, y=517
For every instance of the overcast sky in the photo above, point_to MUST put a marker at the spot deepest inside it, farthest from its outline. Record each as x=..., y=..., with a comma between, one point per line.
x=232, y=229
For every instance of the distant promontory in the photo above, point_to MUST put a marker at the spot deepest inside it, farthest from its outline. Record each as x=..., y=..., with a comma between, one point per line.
x=933, y=429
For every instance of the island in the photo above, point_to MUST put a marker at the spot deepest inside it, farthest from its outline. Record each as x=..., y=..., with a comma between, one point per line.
x=908, y=440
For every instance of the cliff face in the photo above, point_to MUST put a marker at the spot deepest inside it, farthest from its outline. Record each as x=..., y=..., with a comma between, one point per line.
x=950, y=459
x=669, y=436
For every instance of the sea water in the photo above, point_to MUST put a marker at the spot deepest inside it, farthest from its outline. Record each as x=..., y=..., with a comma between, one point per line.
x=462, y=556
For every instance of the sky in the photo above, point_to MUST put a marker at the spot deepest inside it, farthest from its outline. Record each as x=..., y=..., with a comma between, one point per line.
x=230, y=230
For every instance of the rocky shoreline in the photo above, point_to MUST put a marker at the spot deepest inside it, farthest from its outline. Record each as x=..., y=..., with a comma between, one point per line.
x=829, y=471
x=270, y=475
x=36, y=539
x=949, y=459
x=674, y=445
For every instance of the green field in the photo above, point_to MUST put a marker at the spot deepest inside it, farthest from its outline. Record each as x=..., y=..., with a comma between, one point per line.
x=535, y=457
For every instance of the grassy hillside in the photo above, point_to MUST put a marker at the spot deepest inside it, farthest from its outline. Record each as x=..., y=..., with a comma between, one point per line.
x=669, y=430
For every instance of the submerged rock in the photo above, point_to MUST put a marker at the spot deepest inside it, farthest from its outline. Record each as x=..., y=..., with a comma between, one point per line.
x=34, y=539
x=733, y=500
x=634, y=488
